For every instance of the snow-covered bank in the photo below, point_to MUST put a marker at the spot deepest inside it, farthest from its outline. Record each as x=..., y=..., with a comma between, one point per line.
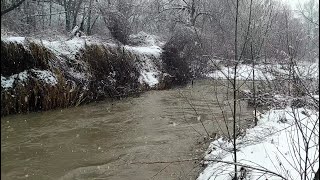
x=149, y=71
x=277, y=144
x=265, y=72
x=71, y=48
x=77, y=70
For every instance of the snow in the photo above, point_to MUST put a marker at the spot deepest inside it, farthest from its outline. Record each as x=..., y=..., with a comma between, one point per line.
x=149, y=72
x=73, y=46
x=67, y=48
x=274, y=145
x=7, y=82
x=147, y=54
x=244, y=72
x=307, y=69
x=79, y=75
x=145, y=39
x=149, y=78
x=150, y=50
x=20, y=40
x=74, y=30
x=44, y=75
x=265, y=72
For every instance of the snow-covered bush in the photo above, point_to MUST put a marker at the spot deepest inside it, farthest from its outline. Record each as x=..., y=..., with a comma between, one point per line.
x=182, y=54
x=144, y=39
x=284, y=145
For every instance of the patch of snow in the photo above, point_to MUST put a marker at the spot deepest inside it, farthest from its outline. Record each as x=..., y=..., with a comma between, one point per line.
x=74, y=30
x=265, y=72
x=20, y=78
x=144, y=39
x=79, y=75
x=244, y=72
x=150, y=50
x=274, y=145
x=149, y=72
x=66, y=48
x=307, y=69
x=46, y=76
x=7, y=82
x=149, y=78
x=19, y=40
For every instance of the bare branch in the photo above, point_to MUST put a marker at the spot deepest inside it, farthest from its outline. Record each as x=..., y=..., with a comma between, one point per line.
x=12, y=7
x=214, y=160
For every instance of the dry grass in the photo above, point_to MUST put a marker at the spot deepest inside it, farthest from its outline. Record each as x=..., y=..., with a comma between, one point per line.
x=16, y=58
x=113, y=70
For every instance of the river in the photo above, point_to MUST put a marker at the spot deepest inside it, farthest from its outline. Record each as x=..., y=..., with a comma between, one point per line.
x=112, y=140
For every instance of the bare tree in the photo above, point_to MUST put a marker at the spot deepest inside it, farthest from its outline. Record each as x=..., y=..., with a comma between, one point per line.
x=12, y=7
x=89, y=18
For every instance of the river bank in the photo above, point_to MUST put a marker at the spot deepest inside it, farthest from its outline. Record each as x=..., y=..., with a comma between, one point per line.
x=39, y=75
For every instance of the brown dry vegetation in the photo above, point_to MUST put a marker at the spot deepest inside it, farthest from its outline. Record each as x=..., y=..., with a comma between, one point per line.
x=16, y=58
x=113, y=73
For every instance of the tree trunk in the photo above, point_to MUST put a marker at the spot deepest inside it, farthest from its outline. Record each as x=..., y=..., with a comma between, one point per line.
x=82, y=20
x=235, y=91
x=67, y=9
x=50, y=10
x=89, y=19
x=43, y=12
x=192, y=13
x=75, y=12
x=254, y=87
x=68, y=21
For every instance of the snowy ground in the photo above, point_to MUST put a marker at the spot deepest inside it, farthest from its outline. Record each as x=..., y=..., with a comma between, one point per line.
x=265, y=72
x=276, y=144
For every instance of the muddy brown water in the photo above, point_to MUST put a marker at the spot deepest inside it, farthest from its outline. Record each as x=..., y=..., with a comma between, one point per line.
x=110, y=140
